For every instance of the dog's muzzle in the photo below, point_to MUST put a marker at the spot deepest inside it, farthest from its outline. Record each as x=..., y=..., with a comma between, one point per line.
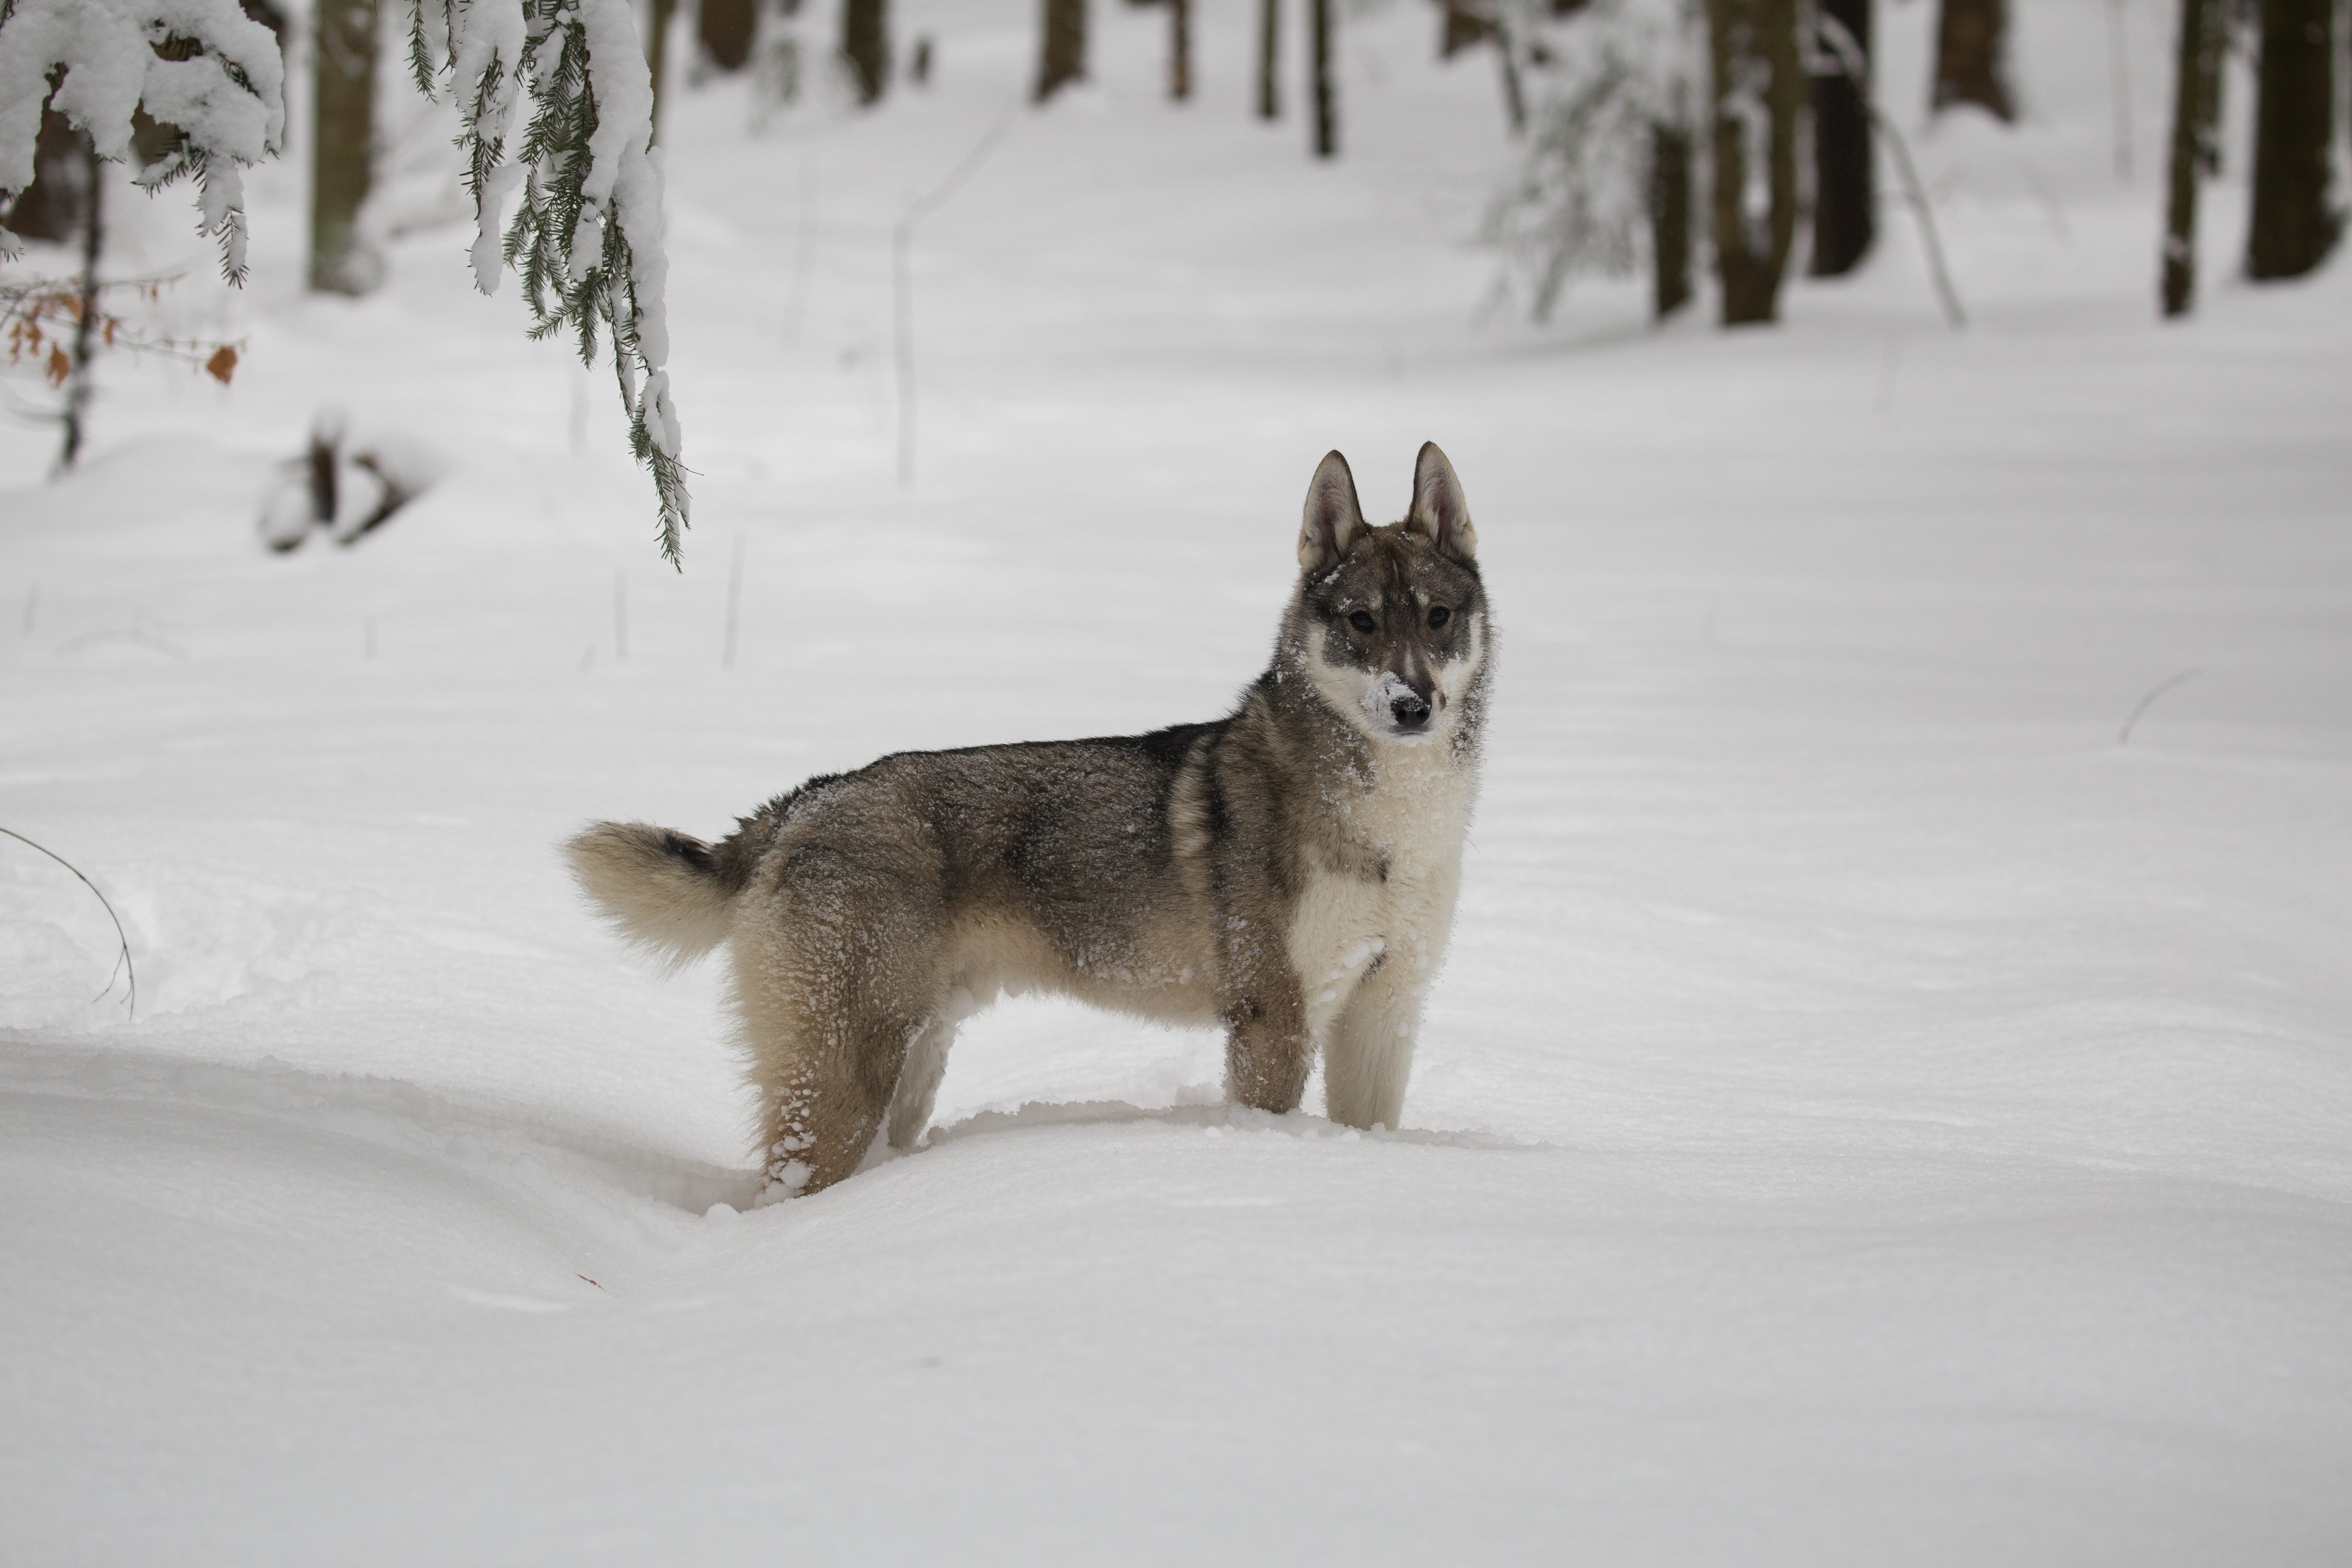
x=1392, y=701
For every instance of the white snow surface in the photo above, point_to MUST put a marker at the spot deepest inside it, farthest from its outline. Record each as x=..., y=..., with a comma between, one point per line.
x=1873, y=1112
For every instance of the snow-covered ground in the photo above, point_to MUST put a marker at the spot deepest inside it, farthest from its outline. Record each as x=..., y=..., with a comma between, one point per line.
x=1874, y=1112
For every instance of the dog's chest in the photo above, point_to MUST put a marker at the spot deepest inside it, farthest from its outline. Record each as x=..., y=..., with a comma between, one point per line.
x=1390, y=899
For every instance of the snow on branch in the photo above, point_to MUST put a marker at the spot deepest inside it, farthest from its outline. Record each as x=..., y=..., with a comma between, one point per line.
x=201, y=67
x=586, y=231
x=1579, y=201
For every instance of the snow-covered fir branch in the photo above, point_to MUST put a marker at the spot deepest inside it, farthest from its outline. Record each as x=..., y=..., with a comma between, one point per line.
x=586, y=231
x=200, y=68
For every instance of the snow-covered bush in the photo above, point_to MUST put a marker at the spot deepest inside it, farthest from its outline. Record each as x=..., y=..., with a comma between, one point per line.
x=586, y=232
x=199, y=67
x=1579, y=200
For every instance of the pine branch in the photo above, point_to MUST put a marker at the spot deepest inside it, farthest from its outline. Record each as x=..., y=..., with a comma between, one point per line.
x=584, y=239
x=203, y=68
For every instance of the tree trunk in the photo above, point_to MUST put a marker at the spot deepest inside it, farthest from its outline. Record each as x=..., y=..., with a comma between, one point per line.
x=1670, y=214
x=866, y=48
x=342, y=146
x=1269, y=48
x=1515, y=98
x=1462, y=28
x=1845, y=185
x=2197, y=67
x=2219, y=33
x=1322, y=83
x=1971, y=49
x=2295, y=225
x=657, y=57
x=78, y=382
x=1062, y=47
x=1752, y=46
x=724, y=28
x=1180, y=49
x=57, y=204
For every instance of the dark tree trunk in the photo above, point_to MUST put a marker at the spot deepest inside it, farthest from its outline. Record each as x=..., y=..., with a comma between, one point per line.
x=1670, y=216
x=866, y=48
x=58, y=202
x=657, y=56
x=342, y=146
x=1845, y=184
x=1754, y=40
x=2198, y=69
x=724, y=28
x=1323, y=84
x=2220, y=15
x=1971, y=55
x=2295, y=225
x=1062, y=47
x=1180, y=49
x=1270, y=50
x=78, y=385
x=1515, y=98
x=1461, y=28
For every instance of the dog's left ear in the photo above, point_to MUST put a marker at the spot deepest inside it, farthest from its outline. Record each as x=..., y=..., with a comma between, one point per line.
x=1439, y=513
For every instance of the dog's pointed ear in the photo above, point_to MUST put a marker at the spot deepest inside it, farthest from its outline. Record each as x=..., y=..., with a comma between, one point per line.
x=1439, y=513
x=1333, y=517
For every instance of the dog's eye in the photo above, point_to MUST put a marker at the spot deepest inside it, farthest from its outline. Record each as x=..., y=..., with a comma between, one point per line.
x=1361, y=621
x=1439, y=615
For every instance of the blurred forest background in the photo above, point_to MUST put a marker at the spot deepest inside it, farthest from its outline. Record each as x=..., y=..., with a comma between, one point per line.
x=1717, y=147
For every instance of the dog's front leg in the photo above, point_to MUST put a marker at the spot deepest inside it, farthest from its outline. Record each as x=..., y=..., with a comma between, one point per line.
x=1370, y=1054
x=1264, y=1009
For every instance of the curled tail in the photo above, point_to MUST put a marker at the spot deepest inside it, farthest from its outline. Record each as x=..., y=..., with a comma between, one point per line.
x=670, y=895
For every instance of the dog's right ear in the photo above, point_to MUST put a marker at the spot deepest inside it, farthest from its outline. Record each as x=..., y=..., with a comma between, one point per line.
x=1333, y=517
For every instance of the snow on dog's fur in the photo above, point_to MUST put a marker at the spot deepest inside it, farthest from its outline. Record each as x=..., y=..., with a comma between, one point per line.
x=1288, y=871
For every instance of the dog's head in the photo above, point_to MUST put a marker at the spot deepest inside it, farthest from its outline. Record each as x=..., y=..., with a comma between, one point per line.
x=1389, y=622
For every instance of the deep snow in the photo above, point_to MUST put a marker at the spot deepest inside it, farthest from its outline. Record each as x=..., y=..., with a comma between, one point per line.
x=1873, y=1112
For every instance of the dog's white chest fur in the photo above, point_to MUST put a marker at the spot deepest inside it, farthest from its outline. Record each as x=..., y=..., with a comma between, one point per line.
x=1412, y=820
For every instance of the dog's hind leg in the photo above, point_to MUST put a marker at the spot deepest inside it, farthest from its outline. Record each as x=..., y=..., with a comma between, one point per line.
x=927, y=1063
x=829, y=996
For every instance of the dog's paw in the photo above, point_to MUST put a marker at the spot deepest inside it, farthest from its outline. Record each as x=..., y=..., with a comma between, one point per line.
x=787, y=1174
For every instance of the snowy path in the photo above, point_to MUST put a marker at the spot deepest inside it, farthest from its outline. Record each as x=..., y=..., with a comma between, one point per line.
x=1873, y=1112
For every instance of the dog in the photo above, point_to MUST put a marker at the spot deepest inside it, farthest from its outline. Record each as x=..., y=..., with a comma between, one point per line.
x=1287, y=872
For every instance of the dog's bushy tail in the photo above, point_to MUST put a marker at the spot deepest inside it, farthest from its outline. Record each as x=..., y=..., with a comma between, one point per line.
x=669, y=895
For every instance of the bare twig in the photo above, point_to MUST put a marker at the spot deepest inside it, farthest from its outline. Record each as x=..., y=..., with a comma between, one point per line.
x=123, y=962
x=40, y=317
x=135, y=636
x=902, y=283
x=1845, y=57
x=2122, y=736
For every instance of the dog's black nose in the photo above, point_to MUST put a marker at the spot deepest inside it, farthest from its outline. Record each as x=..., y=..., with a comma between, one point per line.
x=1408, y=711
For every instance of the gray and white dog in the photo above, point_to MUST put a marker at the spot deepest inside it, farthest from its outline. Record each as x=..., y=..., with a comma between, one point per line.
x=1287, y=871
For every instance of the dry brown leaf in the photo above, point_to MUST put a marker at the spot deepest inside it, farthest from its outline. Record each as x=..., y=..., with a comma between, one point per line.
x=223, y=364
